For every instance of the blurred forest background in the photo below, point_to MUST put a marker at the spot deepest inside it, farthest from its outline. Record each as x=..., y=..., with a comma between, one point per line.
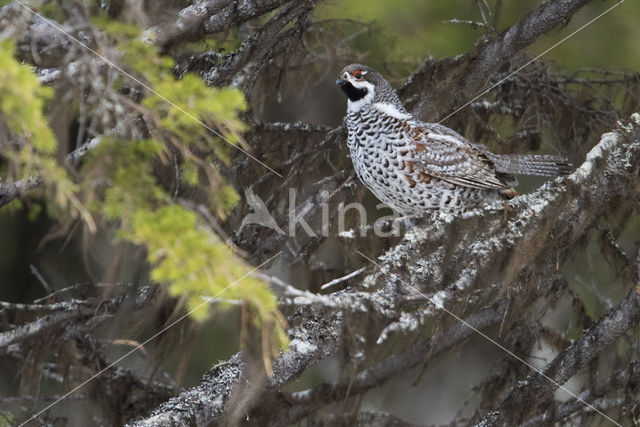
x=106, y=222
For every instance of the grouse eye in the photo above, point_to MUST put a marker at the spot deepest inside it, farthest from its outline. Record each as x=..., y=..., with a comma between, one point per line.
x=357, y=74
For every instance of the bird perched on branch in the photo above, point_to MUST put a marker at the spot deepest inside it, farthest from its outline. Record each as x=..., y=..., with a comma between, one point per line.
x=414, y=166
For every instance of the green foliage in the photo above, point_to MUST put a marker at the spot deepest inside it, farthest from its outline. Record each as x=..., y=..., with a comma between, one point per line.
x=181, y=107
x=193, y=260
x=231, y=40
x=198, y=265
x=7, y=419
x=35, y=209
x=188, y=95
x=128, y=166
x=195, y=99
x=119, y=180
x=190, y=173
x=228, y=198
x=22, y=104
x=190, y=259
x=52, y=10
x=22, y=101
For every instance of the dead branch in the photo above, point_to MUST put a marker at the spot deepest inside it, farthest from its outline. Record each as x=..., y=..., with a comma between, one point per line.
x=624, y=379
x=212, y=16
x=532, y=394
x=10, y=191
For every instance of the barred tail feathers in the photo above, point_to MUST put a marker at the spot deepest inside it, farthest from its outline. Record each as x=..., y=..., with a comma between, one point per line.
x=532, y=164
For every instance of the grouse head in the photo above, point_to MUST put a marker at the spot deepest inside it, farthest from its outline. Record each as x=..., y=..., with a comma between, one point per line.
x=364, y=86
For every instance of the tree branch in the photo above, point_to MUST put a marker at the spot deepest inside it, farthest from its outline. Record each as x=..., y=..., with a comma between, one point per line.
x=626, y=379
x=314, y=339
x=440, y=86
x=530, y=395
x=220, y=68
x=301, y=404
x=212, y=16
x=436, y=259
x=9, y=192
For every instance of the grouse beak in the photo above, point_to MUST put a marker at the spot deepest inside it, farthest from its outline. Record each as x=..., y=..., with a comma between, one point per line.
x=341, y=82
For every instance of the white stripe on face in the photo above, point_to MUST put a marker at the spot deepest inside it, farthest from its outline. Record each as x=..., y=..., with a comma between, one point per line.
x=355, y=106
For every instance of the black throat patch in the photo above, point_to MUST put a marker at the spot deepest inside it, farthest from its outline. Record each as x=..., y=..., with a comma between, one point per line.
x=353, y=93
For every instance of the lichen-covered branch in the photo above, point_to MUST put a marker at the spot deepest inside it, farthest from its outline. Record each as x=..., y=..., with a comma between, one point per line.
x=496, y=254
x=499, y=267
x=315, y=338
x=436, y=88
x=212, y=16
x=259, y=49
x=301, y=404
x=68, y=324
